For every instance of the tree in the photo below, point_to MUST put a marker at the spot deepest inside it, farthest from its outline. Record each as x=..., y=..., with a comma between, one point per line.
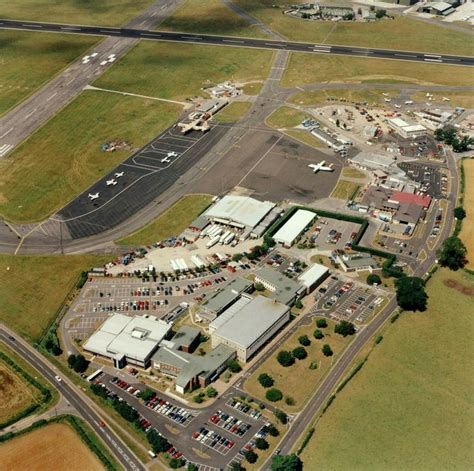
x=71, y=361
x=285, y=358
x=452, y=254
x=158, y=443
x=259, y=287
x=147, y=394
x=234, y=366
x=81, y=364
x=327, y=351
x=318, y=334
x=374, y=279
x=193, y=467
x=304, y=340
x=380, y=13
x=286, y=463
x=237, y=257
x=176, y=463
x=345, y=328
x=274, y=395
x=300, y=353
x=127, y=412
x=198, y=399
x=273, y=431
x=459, y=213
x=321, y=323
x=289, y=401
x=211, y=392
x=411, y=294
x=298, y=304
x=281, y=416
x=250, y=456
x=265, y=380
x=236, y=466
x=261, y=444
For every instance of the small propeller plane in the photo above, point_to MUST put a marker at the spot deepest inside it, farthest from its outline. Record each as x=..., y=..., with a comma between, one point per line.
x=172, y=154
x=93, y=196
x=119, y=174
x=165, y=160
x=112, y=182
x=320, y=166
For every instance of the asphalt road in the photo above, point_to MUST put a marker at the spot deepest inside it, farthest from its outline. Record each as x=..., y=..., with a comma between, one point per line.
x=117, y=447
x=240, y=42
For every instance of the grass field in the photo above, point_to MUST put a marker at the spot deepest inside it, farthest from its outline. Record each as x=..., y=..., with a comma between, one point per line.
x=33, y=287
x=462, y=99
x=303, y=69
x=171, y=223
x=179, y=71
x=232, y=112
x=402, y=33
x=288, y=379
x=286, y=117
x=350, y=172
x=27, y=60
x=63, y=158
x=54, y=446
x=410, y=407
x=15, y=393
x=211, y=17
x=316, y=97
x=86, y=12
x=467, y=232
x=305, y=137
x=344, y=189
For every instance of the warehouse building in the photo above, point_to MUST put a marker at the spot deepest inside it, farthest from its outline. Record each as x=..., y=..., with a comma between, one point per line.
x=126, y=339
x=248, y=325
x=192, y=371
x=406, y=130
x=313, y=277
x=289, y=233
x=283, y=289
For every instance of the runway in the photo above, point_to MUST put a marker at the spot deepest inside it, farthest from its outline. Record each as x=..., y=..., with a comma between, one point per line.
x=293, y=46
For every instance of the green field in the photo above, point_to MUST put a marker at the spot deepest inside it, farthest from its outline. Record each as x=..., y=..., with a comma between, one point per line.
x=402, y=33
x=344, y=189
x=63, y=158
x=33, y=288
x=304, y=136
x=85, y=12
x=179, y=71
x=286, y=117
x=327, y=96
x=171, y=223
x=410, y=407
x=28, y=60
x=462, y=99
x=211, y=17
x=304, y=69
x=233, y=112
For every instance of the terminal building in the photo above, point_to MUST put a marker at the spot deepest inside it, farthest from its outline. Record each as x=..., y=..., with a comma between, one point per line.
x=126, y=339
x=290, y=232
x=248, y=324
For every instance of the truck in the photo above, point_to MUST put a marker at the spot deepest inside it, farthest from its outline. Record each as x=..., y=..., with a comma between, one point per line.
x=212, y=242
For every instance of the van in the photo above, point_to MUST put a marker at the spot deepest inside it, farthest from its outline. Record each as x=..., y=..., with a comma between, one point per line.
x=153, y=455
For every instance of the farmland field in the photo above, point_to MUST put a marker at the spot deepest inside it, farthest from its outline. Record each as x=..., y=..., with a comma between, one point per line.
x=288, y=379
x=410, y=407
x=28, y=60
x=467, y=232
x=171, y=223
x=55, y=447
x=103, y=12
x=38, y=284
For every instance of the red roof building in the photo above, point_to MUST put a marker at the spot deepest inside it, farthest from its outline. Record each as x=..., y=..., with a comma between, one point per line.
x=410, y=198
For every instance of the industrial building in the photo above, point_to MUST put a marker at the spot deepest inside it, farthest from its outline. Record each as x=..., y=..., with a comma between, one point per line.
x=353, y=262
x=248, y=325
x=313, y=277
x=407, y=130
x=186, y=339
x=192, y=371
x=289, y=233
x=126, y=339
x=282, y=289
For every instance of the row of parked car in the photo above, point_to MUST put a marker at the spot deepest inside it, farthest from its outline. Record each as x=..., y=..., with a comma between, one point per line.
x=230, y=423
x=246, y=409
x=213, y=440
x=177, y=414
x=125, y=386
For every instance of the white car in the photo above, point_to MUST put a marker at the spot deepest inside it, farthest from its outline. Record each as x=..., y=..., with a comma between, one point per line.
x=58, y=378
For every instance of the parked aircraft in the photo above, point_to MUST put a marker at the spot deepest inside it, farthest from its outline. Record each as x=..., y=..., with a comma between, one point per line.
x=397, y=106
x=93, y=196
x=409, y=102
x=320, y=166
x=388, y=100
x=111, y=182
x=446, y=99
x=119, y=174
x=165, y=160
x=172, y=154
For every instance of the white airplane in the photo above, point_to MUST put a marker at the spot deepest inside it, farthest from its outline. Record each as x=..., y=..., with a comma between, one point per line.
x=388, y=100
x=446, y=99
x=165, y=160
x=397, y=106
x=111, y=182
x=409, y=102
x=428, y=94
x=385, y=94
x=320, y=166
x=172, y=154
x=93, y=196
x=119, y=174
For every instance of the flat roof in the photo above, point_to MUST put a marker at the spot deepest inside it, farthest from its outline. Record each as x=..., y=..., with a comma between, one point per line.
x=294, y=226
x=313, y=274
x=252, y=321
x=228, y=294
x=286, y=288
x=401, y=123
x=135, y=337
x=184, y=336
x=240, y=209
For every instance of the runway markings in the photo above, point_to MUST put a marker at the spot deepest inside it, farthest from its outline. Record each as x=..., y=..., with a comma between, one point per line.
x=5, y=149
x=52, y=96
x=7, y=132
x=233, y=41
x=31, y=113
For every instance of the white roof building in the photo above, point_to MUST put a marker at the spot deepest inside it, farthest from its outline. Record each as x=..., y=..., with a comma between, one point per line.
x=135, y=338
x=290, y=231
x=313, y=276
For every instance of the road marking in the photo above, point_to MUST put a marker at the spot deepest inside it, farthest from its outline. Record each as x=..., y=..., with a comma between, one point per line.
x=433, y=55
x=53, y=95
x=71, y=28
x=232, y=41
x=405, y=55
x=433, y=60
x=32, y=26
x=30, y=114
x=5, y=149
x=7, y=132
x=70, y=81
x=191, y=37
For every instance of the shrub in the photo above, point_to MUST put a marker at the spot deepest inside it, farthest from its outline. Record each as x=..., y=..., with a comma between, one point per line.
x=265, y=380
x=313, y=365
x=345, y=328
x=234, y=366
x=274, y=395
x=289, y=401
x=261, y=444
x=321, y=323
x=273, y=431
x=304, y=340
x=211, y=392
x=327, y=351
x=298, y=304
x=318, y=334
x=374, y=279
x=285, y=358
x=250, y=456
x=281, y=416
x=300, y=353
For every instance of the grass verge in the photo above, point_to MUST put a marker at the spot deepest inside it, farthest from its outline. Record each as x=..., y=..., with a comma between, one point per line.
x=305, y=137
x=467, y=231
x=233, y=112
x=171, y=223
x=344, y=189
x=318, y=97
x=416, y=385
x=285, y=117
x=462, y=99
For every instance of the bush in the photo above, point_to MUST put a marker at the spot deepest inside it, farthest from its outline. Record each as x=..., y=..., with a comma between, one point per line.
x=281, y=416
x=378, y=339
x=158, y=443
x=285, y=358
x=176, y=463
x=192, y=467
x=147, y=394
x=234, y=366
x=274, y=395
x=345, y=328
x=304, y=340
x=259, y=287
x=198, y=399
x=321, y=323
x=273, y=431
x=261, y=444
x=250, y=456
x=298, y=304
x=211, y=392
x=289, y=401
x=459, y=213
x=327, y=351
x=318, y=335
x=313, y=366
x=300, y=353
x=374, y=279
x=265, y=380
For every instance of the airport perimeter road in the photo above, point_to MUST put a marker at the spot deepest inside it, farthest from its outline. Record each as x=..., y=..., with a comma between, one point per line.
x=29, y=115
x=241, y=42
x=74, y=397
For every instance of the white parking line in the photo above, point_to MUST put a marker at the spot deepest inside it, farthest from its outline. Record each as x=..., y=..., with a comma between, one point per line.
x=7, y=132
